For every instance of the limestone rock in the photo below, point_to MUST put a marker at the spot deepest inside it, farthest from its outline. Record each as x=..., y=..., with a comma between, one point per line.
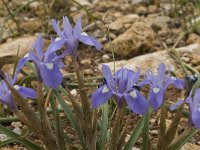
x=136, y=40
x=152, y=60
x=120, y=22
x=84, y=2
x=136, y=1
x=152, y=9
x=193, y=38
x=141, y=10
x=32, y=25
x=159, y=20
x=8, y=51
x=190, y=146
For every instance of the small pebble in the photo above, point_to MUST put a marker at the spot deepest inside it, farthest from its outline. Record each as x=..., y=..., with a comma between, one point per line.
x=86, y=62
x=169, y=41
x=185, y=59
x=3, y=137
x=142, y=10
x=74, y=92
x=73, y=9
x=17, y=130
x=88, y=71
x=154, y=132
x=152, y=9
x=105, y=57
x=16, y=124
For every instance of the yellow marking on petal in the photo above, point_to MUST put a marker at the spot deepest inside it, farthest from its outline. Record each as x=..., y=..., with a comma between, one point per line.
x=105, y=90
x=133, y=94
x=156, y=90
x=49, y=66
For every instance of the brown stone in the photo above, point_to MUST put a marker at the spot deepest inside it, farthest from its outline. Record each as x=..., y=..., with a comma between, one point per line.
x=136, y=40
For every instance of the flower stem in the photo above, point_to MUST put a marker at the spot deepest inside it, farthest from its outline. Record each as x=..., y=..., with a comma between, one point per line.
x=117, y=126
x=87, y=126
x=146, y=140
x=162, y=129
x=171, y=132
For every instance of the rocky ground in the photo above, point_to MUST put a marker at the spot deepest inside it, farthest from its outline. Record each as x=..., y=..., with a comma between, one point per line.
x=139, y=34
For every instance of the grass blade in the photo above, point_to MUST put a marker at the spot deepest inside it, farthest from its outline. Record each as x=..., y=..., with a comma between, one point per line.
x=18, y=138
x=145, y=142
x=136, y=133
x=71, y=117
x=104, y=126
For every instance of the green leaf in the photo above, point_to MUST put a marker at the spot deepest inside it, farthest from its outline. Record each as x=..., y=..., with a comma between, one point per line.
x=145, y=142
x=71, y=117
x=6, y=142
x=104, y=126
x=60, y=137
x=19, y=138
x=136, y=133
x=28, y=79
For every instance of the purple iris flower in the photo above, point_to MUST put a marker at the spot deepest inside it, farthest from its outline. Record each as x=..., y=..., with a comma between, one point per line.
x=120, y=86
x=194, y=105
x=5, y=94
x=70, y=37
x=47, y=64
x=158, y=85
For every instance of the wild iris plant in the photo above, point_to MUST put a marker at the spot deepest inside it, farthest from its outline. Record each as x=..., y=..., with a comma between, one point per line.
x=120, y=86
x=159, y=84
x=91, y=122
x=194, y=105
x=70, y=37
x=47, y=64
x=5, y=93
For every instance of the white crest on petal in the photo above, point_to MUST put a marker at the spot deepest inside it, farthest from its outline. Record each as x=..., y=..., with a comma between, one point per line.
x=133, y=94
x=173, y=78
x=105, y=90
x=49, y=66
x=156, y=90
x=58, y=39
x=84, y=33
x=16, y=87
x=26, y=56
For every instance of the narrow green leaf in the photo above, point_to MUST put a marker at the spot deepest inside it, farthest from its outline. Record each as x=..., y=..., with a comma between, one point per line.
x=136, y=133
x=18, y=138
x=60, y=137
x=145, y=142
x=71, y=117
x=103, y=126
x=6, y=142
x=31, y=66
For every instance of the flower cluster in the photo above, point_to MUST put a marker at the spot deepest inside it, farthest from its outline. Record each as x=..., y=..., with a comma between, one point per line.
x=48, y=63
x=122, y=87
x=159, y=84
x=70, y=37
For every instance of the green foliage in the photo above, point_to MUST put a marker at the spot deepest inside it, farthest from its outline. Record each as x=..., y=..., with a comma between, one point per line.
x=18, y=138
